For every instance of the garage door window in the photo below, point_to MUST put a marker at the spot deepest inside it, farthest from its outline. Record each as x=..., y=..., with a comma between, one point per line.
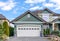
x=24, y=28
x=21, y=28
x=37, y=28
x=28, y=28
x=18, y=28
x=32, y=28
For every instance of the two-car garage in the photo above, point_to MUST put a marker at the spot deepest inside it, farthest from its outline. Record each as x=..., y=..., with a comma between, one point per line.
x=28, y=30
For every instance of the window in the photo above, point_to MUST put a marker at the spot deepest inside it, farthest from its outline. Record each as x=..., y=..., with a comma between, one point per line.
x=29, y=28
x=45, y=17
x=18, y=28
x=24, y=28
x=37, y=28
x=32, y=28
x=21, y=28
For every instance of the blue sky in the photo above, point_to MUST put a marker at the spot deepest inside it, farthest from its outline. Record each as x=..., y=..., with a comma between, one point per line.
x=13, y=8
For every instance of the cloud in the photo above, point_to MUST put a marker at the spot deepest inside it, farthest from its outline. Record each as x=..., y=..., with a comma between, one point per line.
x=48, y=5
x=2, y=4
x=9, y=5
x=58, y=8
x=15, y=11
x=51, y=3
x=57, y=4
x=36, y=7
x=55, y=1
x=34, y=1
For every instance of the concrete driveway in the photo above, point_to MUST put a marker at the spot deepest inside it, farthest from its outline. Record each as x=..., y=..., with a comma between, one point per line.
x=28, y=39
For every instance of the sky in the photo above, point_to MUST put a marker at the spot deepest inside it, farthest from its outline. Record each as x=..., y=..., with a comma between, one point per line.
x=13, y=8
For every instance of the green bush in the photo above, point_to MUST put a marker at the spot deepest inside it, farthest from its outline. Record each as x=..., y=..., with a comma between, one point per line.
x=55, y=32
x=58, y=35
x=46, y=32
x=6, y=28
x=11, y=31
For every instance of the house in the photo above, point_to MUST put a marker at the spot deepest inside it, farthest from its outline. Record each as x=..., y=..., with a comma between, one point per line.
x=32, y=23
x=3, y=18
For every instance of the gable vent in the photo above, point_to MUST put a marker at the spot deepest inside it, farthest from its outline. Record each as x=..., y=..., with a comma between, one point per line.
x=28, y=15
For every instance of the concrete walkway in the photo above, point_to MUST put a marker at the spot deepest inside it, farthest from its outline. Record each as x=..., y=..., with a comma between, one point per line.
x=28, y=39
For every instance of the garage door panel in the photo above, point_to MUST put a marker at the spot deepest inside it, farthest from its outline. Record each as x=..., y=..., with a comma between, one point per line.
x=28, y=33
x=31, y=31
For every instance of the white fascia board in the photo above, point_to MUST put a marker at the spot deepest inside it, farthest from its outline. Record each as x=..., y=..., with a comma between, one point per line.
x=56, y=22
x=28, y=22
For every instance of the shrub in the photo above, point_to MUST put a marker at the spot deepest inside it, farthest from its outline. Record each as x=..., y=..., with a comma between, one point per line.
x=1, y=32
x=55, y=32
x=46, y=32
x=6, y=28
x=11, y=31
x=58, y=35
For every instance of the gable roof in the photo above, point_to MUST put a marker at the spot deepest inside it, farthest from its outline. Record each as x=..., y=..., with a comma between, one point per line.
x=2, y=17
x=46, y=9
x=27, y=12
x=56, y=19
x=35, y=14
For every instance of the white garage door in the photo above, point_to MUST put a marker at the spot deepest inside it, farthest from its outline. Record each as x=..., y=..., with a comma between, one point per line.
x=28, y=30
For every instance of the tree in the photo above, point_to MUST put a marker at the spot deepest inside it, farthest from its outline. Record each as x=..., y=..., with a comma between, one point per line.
x=1, y=26
x=1, y=30
x=6, y=28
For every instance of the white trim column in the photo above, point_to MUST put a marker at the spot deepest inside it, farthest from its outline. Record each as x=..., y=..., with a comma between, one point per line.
x=53, y=26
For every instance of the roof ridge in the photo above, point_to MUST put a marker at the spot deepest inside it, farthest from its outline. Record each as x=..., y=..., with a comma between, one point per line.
x=52, y=12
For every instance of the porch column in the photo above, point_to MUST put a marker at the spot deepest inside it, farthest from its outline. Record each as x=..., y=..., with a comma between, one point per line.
x=53, y=26
x=15, y=31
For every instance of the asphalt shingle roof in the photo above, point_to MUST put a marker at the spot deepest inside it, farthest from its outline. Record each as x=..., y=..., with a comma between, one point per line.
x=35, y=14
